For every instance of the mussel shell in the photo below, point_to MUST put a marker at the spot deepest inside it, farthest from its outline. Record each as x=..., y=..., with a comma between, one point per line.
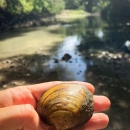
x=66, y=106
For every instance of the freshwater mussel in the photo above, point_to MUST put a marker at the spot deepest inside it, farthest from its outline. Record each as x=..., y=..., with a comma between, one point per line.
x=66, y=106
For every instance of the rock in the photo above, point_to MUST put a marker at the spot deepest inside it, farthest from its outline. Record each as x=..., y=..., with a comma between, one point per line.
x=14, y=83
x=56, y=60
x=66, y=57
x=70, y=61
x=12, y=66
x=5, y=86
x=126, y=56
x=127, y=46
x=7, y=62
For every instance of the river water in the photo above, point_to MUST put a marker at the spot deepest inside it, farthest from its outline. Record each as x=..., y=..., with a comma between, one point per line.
x=87, y=49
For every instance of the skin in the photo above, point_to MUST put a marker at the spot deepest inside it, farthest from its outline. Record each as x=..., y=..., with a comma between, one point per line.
x=17, y=108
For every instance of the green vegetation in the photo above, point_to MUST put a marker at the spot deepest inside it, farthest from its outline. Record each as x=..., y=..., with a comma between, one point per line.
x=117, y=9
x=15, y=11
x=18, y=7
x=31, y=6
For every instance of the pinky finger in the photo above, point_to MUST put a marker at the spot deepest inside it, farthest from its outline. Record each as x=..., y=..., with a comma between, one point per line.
x=98, y=121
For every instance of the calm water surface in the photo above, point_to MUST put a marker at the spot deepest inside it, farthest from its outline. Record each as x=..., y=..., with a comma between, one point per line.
x=59, y=40
x=28, y=41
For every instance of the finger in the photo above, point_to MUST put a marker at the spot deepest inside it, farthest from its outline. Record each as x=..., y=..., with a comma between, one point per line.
x=28, y=94
x=101, y=103
x=98, y=121
x=38, y=89
x=20, y=117
x=16, y=96
x=87, y=85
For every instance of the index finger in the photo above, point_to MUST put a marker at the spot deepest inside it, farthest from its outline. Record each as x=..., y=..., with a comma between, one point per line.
x=38, y=89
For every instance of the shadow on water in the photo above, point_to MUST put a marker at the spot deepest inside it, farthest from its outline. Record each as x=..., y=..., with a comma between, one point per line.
x=93, y=51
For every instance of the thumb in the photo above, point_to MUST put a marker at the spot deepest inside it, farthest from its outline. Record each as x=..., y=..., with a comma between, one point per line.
x=20, y=117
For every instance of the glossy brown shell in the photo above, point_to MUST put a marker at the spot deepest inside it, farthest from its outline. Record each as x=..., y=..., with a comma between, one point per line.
x=66, y=106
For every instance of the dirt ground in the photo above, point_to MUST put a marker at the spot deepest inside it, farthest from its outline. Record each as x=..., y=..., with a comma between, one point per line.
x=18, y=70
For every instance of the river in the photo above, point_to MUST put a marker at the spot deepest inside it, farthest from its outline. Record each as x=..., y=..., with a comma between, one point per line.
x=88, y=49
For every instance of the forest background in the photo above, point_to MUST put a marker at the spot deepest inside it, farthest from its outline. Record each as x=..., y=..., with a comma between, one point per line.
x=14, y=11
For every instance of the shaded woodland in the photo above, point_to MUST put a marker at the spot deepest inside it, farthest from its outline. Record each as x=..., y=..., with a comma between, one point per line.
x=14, y=12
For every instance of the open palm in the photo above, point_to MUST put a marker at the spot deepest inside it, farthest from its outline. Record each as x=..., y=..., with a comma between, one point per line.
x=17, y=108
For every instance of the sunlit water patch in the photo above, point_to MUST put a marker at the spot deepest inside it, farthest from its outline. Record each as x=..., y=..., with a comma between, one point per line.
x=67, y=61
x=28, y=41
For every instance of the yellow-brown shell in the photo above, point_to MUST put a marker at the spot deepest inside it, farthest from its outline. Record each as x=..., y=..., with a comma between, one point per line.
x=66, y=106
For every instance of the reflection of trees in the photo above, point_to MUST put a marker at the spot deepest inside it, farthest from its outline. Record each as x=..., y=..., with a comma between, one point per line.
x=114, y=32
x=90, y=40
x=76, y=27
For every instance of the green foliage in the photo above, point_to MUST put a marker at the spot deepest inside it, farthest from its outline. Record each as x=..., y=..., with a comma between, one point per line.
x=88, y=5
x=2, y=3
x=98, y=5
x=50, y=6
x=117, y=9
x=54, y=6
x=29, y=6
x=74, y=4
x=38, y=5
x=19, y=6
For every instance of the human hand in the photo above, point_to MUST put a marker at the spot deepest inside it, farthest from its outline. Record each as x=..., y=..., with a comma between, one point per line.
x=17, y=108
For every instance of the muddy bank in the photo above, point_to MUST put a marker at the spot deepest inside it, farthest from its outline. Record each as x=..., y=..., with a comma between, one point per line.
x=23, y=70
x=111, y=69
x=25, y=21
x=110, y=76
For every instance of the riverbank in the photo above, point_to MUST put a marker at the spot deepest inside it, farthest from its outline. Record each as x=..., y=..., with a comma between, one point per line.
x=24, y=70
x=25, y=21
x=110, y=76
x=109, y=69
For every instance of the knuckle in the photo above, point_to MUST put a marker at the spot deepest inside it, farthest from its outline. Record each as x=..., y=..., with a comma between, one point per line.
x=27, y=111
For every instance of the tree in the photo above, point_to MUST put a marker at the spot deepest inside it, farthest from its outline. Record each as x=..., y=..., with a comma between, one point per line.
x=54, y=6
x=2, y=3
x=19, y=6
x=117, y=9
x=87, y=5
x=51, y=6
x=29, y=6
x=73, y=4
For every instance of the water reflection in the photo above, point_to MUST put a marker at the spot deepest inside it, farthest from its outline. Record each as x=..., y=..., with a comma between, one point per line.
x=99, y=33
x=28, y=41
x=72, y=67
